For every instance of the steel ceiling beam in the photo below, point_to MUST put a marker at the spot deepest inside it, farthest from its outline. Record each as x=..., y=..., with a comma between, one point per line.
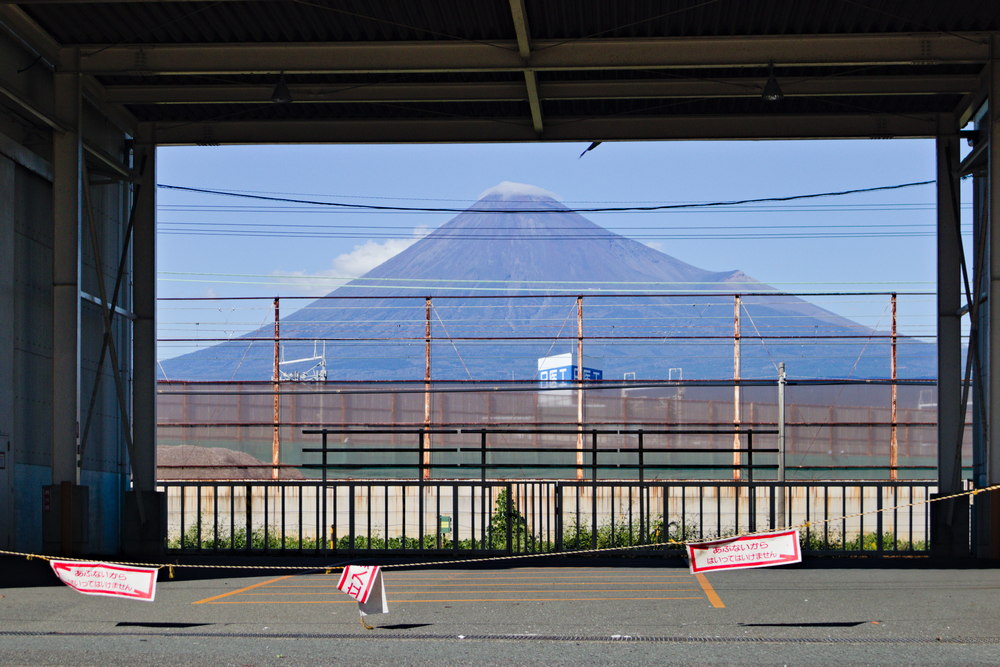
x=520, y=18
x=546, y=55
x=32, y=35
x=116, y=2
x=560, y=90
x=974, y=99
x=818, y=126
x=56, y=58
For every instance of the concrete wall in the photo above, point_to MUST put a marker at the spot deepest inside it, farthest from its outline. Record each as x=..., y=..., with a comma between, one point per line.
x=29, y=126
x=27, y=223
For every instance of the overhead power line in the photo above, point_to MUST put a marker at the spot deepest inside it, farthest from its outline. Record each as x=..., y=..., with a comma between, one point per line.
x=293, y=234
x=600, y=209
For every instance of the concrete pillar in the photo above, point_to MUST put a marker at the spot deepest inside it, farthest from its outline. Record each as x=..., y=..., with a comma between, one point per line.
x=949, y=519
x=67, y=157
x=64, y=502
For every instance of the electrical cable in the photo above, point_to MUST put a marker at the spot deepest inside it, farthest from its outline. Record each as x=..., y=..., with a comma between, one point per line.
x=559, y=210
x=587, y=285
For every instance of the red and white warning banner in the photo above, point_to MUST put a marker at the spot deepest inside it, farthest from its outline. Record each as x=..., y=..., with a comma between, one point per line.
x=357, y=581
x=364, y=584
x=126, y=581
x=738, y=553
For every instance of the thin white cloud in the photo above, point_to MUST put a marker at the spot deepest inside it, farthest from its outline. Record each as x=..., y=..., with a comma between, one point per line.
x=365, y=257
x=349, y=265
x=511, y=190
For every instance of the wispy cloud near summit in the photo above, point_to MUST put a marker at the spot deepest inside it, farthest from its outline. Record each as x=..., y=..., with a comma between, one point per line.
x=513, y=191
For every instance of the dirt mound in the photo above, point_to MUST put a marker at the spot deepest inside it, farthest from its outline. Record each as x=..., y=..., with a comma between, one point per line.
x=193, y=462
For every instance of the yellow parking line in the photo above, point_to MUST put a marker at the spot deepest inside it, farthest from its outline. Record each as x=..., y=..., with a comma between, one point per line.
x=242, y=590
x=504, y=585
x=407, y=591
x=457, y=583
x=595, y=575
x=710, y=593
x=459, y=600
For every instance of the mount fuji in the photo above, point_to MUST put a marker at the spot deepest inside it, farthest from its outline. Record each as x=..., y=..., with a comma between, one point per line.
x=512, y=266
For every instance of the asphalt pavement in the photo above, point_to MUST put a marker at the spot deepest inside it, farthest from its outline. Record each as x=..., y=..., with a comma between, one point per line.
x=549, y=612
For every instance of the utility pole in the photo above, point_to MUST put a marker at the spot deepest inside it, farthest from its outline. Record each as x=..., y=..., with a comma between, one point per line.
x=893, y=441
x=579, y=387
x=427, y=387
x=737, y=459
x=276, y=435
x=782, y=523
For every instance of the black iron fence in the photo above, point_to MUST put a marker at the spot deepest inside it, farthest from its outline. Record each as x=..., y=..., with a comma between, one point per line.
x=413, y=517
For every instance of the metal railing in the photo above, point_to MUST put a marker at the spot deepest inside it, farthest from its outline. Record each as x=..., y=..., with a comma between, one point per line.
x=480, y=455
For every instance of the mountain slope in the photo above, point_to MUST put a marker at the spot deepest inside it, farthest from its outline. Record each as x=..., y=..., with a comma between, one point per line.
x=519, y=241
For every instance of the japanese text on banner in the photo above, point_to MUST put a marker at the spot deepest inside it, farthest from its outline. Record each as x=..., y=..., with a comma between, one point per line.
x=133, y=582
x=744, y=552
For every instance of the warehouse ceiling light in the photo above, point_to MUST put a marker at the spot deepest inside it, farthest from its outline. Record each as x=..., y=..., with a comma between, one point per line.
x=281, y=94
x=772, y=91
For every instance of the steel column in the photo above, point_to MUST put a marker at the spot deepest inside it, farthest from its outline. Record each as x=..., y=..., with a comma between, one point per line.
x=949, y=519
x=949, y=329
x=990, y=533
x=144, y=328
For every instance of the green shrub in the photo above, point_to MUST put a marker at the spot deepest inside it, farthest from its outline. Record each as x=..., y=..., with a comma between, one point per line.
x=260, y=540
x=624, y=534
x=813, y=540
x=500, y=522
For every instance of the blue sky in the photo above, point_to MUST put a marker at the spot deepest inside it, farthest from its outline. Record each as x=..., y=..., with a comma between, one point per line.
x=860, y=258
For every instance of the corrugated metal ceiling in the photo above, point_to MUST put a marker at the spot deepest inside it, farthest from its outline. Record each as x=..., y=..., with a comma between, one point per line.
x=197, y=67
x=272, y=21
